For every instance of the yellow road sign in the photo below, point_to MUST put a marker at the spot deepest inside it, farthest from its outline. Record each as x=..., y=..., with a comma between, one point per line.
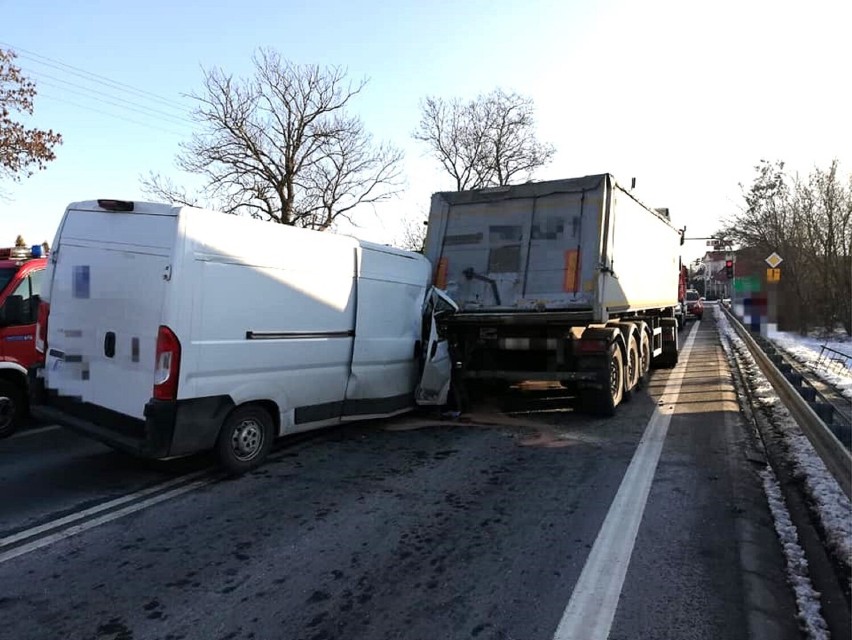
x=774, y=260
x=773, y=275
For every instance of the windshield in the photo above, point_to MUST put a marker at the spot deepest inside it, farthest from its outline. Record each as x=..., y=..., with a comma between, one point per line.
x=5, y=276
x=692, y=296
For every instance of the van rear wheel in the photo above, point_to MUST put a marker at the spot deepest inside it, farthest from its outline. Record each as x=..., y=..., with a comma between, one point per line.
x=245, y=439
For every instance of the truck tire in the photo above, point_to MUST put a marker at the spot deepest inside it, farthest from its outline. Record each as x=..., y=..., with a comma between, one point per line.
x=644, y=358
x=669, y=357
x=11, y=408
x=245, y=439
x=632, y=369
x=602, y=402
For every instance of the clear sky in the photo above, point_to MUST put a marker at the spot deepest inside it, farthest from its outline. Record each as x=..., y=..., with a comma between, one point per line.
x=684, y=97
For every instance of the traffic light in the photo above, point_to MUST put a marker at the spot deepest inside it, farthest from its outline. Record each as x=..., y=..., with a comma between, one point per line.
x=729, y=268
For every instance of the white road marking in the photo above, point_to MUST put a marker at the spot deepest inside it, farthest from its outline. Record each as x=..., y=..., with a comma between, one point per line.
x=593, y=603
x=186, y=483
x=89, y=524
x=32, y=432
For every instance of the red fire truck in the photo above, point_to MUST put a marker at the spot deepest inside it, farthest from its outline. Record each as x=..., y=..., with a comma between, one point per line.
x=21, y=271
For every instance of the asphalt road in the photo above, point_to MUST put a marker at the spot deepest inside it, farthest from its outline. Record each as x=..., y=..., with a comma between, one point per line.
x=415, y=529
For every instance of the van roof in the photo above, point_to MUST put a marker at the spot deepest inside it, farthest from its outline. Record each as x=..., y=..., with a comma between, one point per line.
x=147, y=208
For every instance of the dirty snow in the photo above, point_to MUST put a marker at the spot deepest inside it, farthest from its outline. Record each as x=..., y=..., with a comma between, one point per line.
x=807, y=599
x=806, y=350
x=828, y=501
x=832, y=506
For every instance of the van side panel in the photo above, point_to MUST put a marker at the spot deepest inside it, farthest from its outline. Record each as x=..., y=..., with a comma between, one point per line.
x=272, y=318
x=386, y=358
x=106, y=303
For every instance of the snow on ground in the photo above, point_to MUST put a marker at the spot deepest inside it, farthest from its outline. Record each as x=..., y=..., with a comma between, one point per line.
x=807, y=599
x=806, y=349
x=828, y=501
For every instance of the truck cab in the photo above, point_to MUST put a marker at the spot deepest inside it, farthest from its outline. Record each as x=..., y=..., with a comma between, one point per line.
x=21, y=272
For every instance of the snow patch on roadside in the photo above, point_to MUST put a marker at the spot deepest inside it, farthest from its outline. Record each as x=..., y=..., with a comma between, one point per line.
x=806, y=350
x=807, y=599
x=831, y=505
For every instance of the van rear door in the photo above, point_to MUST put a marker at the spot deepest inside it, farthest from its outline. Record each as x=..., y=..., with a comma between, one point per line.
x=106, y=303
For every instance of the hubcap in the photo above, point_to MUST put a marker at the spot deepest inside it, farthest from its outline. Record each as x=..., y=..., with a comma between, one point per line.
x=613, y=377
x=7, y=411
x=247, y=439
x=631, y=366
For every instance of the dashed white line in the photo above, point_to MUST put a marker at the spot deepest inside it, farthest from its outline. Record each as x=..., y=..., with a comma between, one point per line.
x=593, y=603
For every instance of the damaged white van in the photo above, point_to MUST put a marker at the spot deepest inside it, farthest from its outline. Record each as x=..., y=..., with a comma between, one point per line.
x=170, y=330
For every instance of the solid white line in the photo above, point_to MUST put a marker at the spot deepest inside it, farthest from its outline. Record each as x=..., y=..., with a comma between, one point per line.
x=80, y=515
x=71, y=531
x=591, y=610
x=32, y=432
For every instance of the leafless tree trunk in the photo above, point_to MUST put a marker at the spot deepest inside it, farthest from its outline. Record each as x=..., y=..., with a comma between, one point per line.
x=489, y=141
x=281, y=146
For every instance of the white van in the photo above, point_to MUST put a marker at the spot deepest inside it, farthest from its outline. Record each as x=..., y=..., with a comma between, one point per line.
x=171, y=330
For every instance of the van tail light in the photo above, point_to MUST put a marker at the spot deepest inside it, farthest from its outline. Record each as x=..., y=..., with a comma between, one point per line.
x=41, y=330
x=167, y=365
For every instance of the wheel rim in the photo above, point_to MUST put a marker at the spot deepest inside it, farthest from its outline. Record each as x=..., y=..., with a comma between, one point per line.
x=247, y=439
x=631, y=365
x=614, y=377
x=7, y=411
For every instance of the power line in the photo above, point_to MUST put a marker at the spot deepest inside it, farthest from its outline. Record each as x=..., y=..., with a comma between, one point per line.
x=111, y=115
x=62, y=66
x=108, y=98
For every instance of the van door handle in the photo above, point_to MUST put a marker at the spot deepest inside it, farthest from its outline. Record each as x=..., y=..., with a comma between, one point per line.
x=109, y=344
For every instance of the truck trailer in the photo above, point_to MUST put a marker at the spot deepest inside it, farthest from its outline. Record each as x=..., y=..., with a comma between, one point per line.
x=572, y=281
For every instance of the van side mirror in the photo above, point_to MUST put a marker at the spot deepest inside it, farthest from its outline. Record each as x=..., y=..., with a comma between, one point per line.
x=12, y=312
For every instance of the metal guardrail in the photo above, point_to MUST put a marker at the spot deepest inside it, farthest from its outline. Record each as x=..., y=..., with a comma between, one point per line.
x=832, y=358
x=834, y=454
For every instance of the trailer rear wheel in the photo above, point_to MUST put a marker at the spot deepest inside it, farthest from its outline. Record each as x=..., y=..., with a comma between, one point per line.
x=644, y=358
x=603, y=402
x=245, y=439
x=632, y=370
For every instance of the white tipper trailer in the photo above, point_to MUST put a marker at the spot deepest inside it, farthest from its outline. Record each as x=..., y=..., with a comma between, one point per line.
x=572, y=281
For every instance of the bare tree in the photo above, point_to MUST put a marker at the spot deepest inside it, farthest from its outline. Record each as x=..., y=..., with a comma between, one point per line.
x=22, y=151
x=826, y=231
x=413, y=234
x=281, y=146
x=489, y=141
x=809, y=223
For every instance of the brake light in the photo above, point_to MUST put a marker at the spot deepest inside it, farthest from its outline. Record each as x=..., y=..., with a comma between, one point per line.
x=41, y=329
x=115, y=205
x=167, y=366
